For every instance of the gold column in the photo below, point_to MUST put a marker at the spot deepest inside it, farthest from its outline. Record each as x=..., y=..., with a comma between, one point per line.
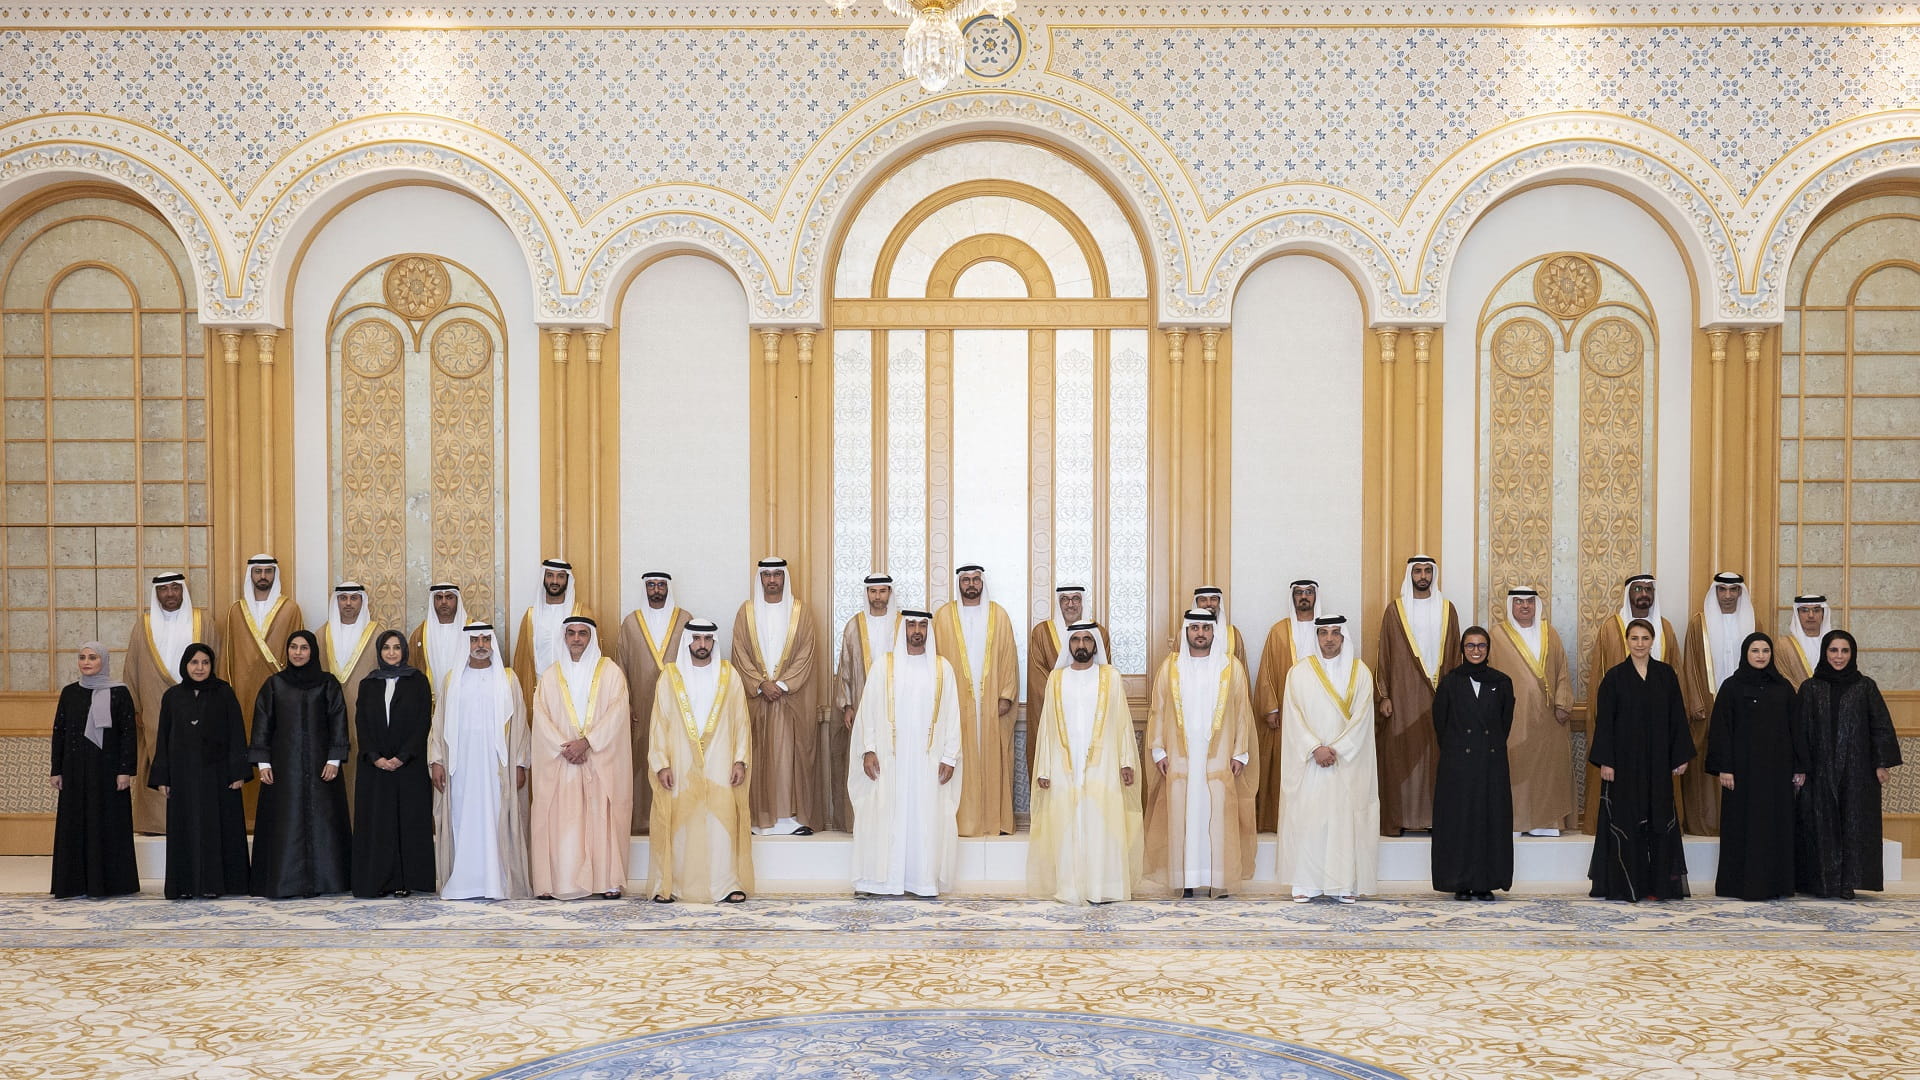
x=803, y=351
x=1422, y=346
x=594, y=340
x=561, y=339
x=230, y=453
x=1716, y=452
x=1753, y=339
x=1389, y=351
x=770, y=354
x=263, y=346
x=1209, y=370
x=1176, y=374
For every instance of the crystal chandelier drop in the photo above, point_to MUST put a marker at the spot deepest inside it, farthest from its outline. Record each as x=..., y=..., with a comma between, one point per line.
x=934, y=51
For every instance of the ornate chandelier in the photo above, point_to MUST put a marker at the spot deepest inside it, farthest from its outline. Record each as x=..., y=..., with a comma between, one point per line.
x=934, y=51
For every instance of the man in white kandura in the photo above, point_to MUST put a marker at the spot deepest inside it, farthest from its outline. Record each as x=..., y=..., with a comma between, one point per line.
x=478, y=755
x=1329, y=783
x=1199, y=807
x=537, y=646
x=582, y=771
x=904, y=777
x=700, y=748
x=1799, y=653
x=1085, y=845
x=439, y=643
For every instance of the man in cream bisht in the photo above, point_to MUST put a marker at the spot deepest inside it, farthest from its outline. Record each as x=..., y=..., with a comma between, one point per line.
x=1086, y=838
x=699, y=752
x=582, y=771
x=1540, y=746
x=347, y=652
x=537, y=647
x=1047, y=653
x=975, y=637
x=904, y=778
x=1798, y=654
x=1715, y=637
x=1288, y=642
x=649, y=640
x=1330, y=789
x=478, y=755
x=1199, y=808
x=773, y=651
x=869, y=634
x=170, y=624
x=439, y=643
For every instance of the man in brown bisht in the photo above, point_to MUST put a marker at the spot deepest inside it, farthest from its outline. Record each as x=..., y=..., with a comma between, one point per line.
x=582, y=773
x=1213, y=598
x=347, y=653
x=1199, y=799
x=867, y=636
x=439, y=643
x=1290, y=641
x=700, y=752
x=649, y=640
x=1639, y=599
x=773, y=651
x=1800, y=651
x=975, y=637
x=537, y=646
x=1047, y=652
x=170, y=624
x=1540, y=745
x=1419, y=642
x=256, y=626
x=1716, y=638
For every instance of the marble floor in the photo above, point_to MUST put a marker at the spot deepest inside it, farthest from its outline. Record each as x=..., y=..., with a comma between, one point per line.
x=1542, y=985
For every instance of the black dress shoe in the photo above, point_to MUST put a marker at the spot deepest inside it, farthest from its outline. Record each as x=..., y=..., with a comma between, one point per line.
x=802, y=831
x=1463, y=895
x=1187, y=894
x=403, y=893
x=1487, y=896
x=735, y=897
x=663, y=899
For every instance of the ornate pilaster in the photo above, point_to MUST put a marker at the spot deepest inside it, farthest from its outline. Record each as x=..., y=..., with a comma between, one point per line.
x=803, y=351
x=264, y=341
x=594, y=340
x=562, y=340
x=1209, y=374
x=230, y=443
x=1422, y=350
x=1176, y=460
x=1754, y=338
x=770, y=356
x=1389, y=338
x=1716, y=447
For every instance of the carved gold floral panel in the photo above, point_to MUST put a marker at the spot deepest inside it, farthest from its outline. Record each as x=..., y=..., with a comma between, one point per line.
x=1566, y=343
x=419, y=353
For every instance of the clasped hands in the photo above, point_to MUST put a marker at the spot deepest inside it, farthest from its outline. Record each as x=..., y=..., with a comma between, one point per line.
x=870, y=764
x=735, y=776
x=1126, y=778
x=327, y=772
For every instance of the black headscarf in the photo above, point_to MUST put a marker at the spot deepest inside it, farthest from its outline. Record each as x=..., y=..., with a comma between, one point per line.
x=390, y=671
x=1748, y=675
x=191, y=683
x=1846, y=676
x=1477, y=672
x=310, y=674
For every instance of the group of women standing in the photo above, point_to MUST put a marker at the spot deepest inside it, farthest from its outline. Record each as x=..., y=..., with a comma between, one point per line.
x=305, y=843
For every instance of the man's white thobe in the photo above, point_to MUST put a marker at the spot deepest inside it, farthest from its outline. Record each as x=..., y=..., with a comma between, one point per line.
x=906, y=835
x=1086, y=840
x=1329, y=816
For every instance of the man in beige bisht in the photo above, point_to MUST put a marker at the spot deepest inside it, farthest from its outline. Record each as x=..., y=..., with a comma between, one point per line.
x=1199, y=809
x=1085, y=845
x=1540, y=746
x=868, y=635
x=1330, y=785
x=537, y=647
x=1047, y=653
x=1798, y=654
x=649, y=640
x=439, y=643
x=1715, y=634
x=905, y=782
x=256, y=627
x=700, y=751
x=1419, y=642
x=171, y=623
x=975, y=637
x=1289, y=641
x=582, y=771
x=773, y=652
x=347, y=652
x=477, y=755
x=1638, y=600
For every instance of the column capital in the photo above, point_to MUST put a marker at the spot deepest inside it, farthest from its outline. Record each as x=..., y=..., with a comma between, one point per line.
x=770, y=345
x=1717, y=342
x=1422, y=344
x=263, y=339
x=560, y=336
x=803, y=341
x=1176, y=345
x=594, y=339
x=230, y=346
x=1389, y=338
x=1754, y=337
x=1210, y=344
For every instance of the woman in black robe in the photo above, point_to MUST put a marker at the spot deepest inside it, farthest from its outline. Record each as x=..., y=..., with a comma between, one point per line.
x=1755, y=747
x=1640, y=743
x=301, y=842
x=1472, y=795
x=393, y=796
x=1850, y=747
x=199, y=764
x=96, y=753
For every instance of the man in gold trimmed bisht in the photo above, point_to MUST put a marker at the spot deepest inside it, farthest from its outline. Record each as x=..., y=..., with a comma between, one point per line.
x=171, y=623
x=975, y=637
x=1540, y=746
x=699, y=754
x=649, y=640
x=256, y=626
x=773, y=651
x=1085, y=845
x=1290, y=641
x=1047, y=653
x=582, y=771
x=439, y=643
x=537, y=647
x=1419, y=642
x=905, y=776
x=347, y=653
x=1199, y=804
x=868, y=635
x=1329, y=782
x=477, y=755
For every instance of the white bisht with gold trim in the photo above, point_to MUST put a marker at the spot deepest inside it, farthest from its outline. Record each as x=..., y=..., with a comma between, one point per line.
x=700, y=834
x=906, y=833
x=1329, y=815
x=581, y=813
x=1085, y=844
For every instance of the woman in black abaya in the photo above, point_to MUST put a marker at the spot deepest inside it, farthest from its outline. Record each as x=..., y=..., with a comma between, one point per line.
x=1755, y=747
x=199, y=764
x=1640, y=743
x=302, y=845
x=1850, y=746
